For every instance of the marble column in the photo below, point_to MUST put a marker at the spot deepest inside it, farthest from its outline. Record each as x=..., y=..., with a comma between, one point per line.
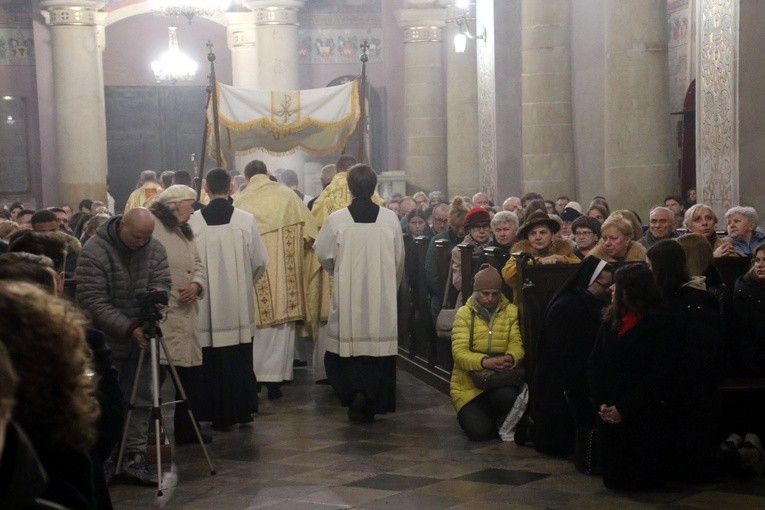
x=78, y=86
x=461, y=116
x=240, y=35
x=639, y=168
x=548, y=144
x=240, y=32
x=425, y=119
x=276, y=67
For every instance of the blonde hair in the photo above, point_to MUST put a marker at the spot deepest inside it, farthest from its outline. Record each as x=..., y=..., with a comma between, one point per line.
x=45, y=339
x=618, y=222
x=8, y=228
x=698, y=253
x=637, y=228
x=696, y=209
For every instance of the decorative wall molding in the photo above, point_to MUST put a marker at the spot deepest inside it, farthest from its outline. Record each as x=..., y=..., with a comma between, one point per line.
x=338, y=45
x=275, y=16
x=717, y=104
x=421, y=25
x=422, y=34
x=71, y=16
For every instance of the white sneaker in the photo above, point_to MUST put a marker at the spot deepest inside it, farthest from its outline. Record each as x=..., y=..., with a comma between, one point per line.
x=732, y=442
x=753, y=442
x=135, y=470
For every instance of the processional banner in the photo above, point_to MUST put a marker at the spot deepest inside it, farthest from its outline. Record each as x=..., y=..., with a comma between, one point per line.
x=317, y=121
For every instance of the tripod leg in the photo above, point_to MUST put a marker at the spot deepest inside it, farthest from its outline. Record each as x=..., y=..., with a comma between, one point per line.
x=179, y=387
x=155, y=409
x=131, y=405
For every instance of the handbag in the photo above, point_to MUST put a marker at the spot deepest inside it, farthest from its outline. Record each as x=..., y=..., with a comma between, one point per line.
x=487, y=379
x=586, y=442
x=445, y=318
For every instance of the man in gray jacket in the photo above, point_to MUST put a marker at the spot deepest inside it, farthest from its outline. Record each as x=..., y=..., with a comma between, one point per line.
x=118, y=264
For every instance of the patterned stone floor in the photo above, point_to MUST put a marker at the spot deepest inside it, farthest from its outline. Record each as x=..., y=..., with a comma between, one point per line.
x=301, y=453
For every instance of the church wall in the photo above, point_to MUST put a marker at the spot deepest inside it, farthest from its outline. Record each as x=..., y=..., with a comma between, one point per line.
x=751, y=105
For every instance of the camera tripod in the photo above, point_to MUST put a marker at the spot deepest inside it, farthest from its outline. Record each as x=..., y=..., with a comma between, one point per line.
x=152, y=332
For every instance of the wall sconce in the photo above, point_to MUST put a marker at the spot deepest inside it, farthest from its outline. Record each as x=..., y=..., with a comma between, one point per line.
x=461, y=37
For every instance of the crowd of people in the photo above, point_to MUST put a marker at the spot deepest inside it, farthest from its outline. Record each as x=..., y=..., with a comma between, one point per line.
x=636, y=341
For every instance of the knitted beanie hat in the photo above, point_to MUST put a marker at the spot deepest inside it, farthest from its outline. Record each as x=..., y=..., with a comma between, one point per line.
x=487, y=278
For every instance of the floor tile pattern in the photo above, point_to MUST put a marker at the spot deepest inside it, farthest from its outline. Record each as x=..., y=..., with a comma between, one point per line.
x=302, y=453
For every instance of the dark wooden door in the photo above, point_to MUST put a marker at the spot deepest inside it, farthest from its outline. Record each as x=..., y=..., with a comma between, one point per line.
x=151, y=128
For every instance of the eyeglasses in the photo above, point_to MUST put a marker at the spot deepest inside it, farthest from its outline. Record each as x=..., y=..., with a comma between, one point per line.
x=481, y=227
x=604, y=285
x=583, y=233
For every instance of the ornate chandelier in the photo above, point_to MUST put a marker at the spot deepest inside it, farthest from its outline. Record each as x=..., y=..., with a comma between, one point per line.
x=173, y=66
x=189, y=8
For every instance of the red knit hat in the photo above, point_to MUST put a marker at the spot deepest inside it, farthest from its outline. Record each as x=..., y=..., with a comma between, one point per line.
x=477, y=216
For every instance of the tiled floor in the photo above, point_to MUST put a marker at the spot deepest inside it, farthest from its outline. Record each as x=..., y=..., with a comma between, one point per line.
x=301, y=452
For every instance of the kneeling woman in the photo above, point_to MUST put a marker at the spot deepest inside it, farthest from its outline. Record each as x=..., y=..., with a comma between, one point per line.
x=485, y=336
x=631, y=371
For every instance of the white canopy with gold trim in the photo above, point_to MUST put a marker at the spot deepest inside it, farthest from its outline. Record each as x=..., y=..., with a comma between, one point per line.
x=317, y=121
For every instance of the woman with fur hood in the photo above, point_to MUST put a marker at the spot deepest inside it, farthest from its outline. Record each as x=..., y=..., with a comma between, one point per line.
x=172, y=208
x=536, y=239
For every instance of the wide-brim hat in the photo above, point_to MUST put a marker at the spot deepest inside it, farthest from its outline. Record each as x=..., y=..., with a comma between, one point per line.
x=534, y=220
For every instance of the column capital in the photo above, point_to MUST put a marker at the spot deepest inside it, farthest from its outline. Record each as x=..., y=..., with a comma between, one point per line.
x=275, y=12
x=71, y=12
x=421, y=25
x=240, y=29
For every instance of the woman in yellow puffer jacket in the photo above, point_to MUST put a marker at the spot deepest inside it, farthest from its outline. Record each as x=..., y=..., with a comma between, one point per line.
x=497, y=345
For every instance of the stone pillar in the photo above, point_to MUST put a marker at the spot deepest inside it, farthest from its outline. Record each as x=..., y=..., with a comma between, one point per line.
x=244, y=53
x=240, y=34
x=78, y=86
x=717, y=105
x=548, y=144
x=461, y=116
x=639, y=169
x=275, y=47
x=424, y=118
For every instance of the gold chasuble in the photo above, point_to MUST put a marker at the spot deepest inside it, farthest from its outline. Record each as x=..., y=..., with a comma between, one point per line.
x=286, y=227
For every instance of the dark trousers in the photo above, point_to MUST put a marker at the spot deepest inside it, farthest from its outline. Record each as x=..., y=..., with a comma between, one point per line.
x=480, y=418
x=191, y=380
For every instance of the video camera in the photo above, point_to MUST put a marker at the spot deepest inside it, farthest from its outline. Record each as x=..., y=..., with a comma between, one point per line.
x=148, y=302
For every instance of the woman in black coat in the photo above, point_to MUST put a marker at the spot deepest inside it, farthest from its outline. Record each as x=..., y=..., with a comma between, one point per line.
x=570, y=326
x=749, y=319
x=630, y=373
x=695, y=399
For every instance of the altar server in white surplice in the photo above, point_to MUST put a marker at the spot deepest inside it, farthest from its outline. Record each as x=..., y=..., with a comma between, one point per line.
x=362, y=246
x=231, y=249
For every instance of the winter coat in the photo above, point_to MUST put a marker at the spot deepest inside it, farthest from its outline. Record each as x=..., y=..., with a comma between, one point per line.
x=24, y=478
x=635, y=253
x=694, y=401
x=634, y=372
x=500, y=336
x=179, y=328
x=110, y=277
x=571, y=324
x=749, y=327
x=558, y=247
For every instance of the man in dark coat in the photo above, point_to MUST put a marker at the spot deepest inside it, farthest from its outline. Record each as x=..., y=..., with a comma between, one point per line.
x=119, y=264
x=570, y=326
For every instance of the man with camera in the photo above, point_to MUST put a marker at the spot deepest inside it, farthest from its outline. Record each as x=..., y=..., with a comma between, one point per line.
x=116, y=267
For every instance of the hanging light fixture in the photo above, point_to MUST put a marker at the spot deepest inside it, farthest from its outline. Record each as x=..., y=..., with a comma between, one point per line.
x=173, y=66
x=189, y=8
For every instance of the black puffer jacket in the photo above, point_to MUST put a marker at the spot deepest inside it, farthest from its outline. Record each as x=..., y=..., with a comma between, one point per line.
x=110, y=277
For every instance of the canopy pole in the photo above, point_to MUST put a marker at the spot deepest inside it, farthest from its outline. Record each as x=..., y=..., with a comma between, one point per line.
x=361, y=154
